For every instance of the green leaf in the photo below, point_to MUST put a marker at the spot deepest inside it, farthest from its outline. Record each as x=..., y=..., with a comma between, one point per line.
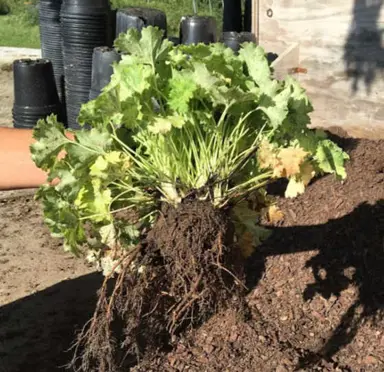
x=130, y=79
x=275, y=107
x=203, y=77
x=100, y=111
x=247, y=223
x=88, y=145
x=62, y=218
x=149, y=47
x=331, y=158
x=50, y=141
x=94, y=200
x=257, y=64
x=182, y=88
x=196, y=52
x=164, y=125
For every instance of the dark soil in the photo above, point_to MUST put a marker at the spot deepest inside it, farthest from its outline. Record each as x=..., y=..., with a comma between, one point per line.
x=316, y=288
x=318, y=285
x=196, y=242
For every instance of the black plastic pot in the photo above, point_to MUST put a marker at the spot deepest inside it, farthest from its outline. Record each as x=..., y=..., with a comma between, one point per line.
x=86, y=24
x=34, y=83
x=82, y=42
x=248, y=37
x=35, y=92
x=33, y=111
x=102, y=70
x=72, y=26
x=84, y=7
x=50, y=37
x=271, y=57
x=138, y=18
x=234, y=40
x=50, y=9
x=198, y=29
x=73, y=108
x=112, y=27
x=29, y=122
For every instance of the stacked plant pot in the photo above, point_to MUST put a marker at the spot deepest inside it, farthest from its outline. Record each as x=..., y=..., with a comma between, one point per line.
x=85, y=26
x=138, y=18
x=51, y=41
x=234, y=40
x=35, y=93
x=198, y=29
x=102, y=70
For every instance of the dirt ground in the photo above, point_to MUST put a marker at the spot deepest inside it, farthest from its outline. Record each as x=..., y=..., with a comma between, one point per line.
x=44, y=293
x=316, y=287
x=6, y=95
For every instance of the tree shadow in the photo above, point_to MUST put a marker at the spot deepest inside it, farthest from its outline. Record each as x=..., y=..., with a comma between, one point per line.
x=350, y=252
x=363, y=49
x=37, y=331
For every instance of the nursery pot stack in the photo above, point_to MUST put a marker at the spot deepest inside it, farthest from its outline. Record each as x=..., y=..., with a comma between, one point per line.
x=50, y=38
x=197, y=29
x=138, y=18
x=85, y=26
x=102, y=70
x=234, y=40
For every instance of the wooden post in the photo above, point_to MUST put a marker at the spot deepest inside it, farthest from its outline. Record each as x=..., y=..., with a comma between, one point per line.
x=287, y=62
x=255, y=18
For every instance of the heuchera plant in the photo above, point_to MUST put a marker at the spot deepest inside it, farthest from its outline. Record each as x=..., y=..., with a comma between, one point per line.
x=177, y=120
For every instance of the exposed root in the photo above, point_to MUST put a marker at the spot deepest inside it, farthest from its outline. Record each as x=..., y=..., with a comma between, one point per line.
x=98, y=327
x=189, y=271
x=196, y=242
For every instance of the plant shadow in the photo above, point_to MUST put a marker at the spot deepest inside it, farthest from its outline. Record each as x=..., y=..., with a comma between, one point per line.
x=37, y=331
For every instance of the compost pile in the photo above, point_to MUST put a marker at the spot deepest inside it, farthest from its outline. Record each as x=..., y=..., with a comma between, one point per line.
x=165, y=192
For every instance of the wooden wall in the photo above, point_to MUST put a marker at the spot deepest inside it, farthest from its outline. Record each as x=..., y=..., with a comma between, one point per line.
x=341, y=47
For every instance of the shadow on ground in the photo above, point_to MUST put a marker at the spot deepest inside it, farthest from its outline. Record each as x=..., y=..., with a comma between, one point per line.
x=350, y=252
x=36, y=331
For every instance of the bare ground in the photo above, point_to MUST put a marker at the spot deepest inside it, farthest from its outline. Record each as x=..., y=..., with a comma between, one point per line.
x=45, y=294
x=6, y=95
